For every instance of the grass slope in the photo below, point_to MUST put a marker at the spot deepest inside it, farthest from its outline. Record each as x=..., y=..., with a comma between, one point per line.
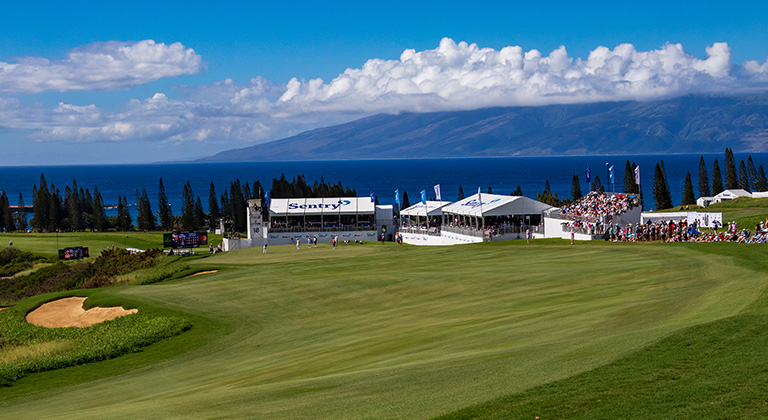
x=48, y=244
x=714, y=370
x=404, y=332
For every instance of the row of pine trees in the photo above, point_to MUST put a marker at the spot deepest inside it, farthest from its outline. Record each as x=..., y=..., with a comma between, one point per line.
x=747, y=178
x=79, y=209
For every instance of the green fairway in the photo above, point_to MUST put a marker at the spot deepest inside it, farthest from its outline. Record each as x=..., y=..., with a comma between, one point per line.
x=48, y=243
x=371, y=331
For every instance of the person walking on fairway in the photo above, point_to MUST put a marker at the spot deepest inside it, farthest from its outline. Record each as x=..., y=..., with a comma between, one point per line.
x=572, y=237
x=298, y=244
x=265, y=248
x=528, y=236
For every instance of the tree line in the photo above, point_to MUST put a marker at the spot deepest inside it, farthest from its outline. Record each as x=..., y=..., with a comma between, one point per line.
x=79, y=209
x=746, y=177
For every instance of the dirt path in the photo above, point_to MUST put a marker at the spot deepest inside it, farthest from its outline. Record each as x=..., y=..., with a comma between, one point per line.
x=69, y=312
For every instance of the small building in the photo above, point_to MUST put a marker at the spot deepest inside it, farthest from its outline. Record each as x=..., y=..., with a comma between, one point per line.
x=724, y=196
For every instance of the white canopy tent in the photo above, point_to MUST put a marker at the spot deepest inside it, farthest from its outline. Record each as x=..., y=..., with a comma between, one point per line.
x=433, y=208
x=472, y=212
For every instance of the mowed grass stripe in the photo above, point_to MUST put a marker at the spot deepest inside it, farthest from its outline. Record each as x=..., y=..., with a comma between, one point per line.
x=404, y=332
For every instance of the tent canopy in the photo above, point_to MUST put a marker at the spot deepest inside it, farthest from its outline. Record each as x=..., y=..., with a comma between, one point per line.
x=435, y=208
x=321, y=206
x=495, y=205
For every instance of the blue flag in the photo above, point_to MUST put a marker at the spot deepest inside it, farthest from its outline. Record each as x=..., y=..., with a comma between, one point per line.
x=397, y=197
x=423, y=197
x=373, y=196
x=610, y=174
x=588, y=174
x=266, y=198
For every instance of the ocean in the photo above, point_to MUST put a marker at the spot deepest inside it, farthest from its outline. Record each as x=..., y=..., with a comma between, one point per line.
x=502, y=175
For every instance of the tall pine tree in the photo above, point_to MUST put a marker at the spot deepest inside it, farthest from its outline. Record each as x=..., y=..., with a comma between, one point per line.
x=688, y=197
x=717, y=179
x=597, y=186
x=213, y=207
x=165, y=212
x=461, y=193
x=575, y=188
x=630, y=186
x=744, y=177
x=731, y=177
x=704, y=190
x=99, y=215
x=21, y=219
x=187, y=208
x=752, y=172
x=762, y=183
x=661, y=189
x=6, y=216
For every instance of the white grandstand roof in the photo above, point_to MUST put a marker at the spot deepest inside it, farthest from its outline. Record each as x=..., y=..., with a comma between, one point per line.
x=496, y=205
x=320, y=206
x=435, y=208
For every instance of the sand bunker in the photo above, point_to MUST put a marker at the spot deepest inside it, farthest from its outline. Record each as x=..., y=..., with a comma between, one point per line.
x=69, y=312
x=203, y=272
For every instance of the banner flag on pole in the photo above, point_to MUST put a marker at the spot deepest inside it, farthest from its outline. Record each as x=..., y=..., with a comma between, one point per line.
x=397, y=197
x=437, y=192
x=637, y=175
x=588, y=174
x=610, y=174
x=424, y=197
x=373, y=196
x=479, y=197
x=266, y=198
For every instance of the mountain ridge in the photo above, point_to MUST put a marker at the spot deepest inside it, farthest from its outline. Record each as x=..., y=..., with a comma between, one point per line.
x=687, y=124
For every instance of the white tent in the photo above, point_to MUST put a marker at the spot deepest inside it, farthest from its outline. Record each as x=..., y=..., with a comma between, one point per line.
x=496, y=205
x=434, y=208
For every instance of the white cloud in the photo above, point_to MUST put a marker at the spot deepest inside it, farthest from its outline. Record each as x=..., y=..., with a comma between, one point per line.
x=453, y=76
x=100, y=66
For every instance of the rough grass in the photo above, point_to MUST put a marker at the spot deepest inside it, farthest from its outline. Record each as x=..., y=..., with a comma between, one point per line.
x=405, y=332
x=26, y=348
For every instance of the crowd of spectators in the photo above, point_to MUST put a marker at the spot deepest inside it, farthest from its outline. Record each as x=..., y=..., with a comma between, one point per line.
x=682, y=231
x=597, y=207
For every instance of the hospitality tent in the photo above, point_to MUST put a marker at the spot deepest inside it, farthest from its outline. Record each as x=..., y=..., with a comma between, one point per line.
x=493, y=210
x=418, y=212
x=321, y=213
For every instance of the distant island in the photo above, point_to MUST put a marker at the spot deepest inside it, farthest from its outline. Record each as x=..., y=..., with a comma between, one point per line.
x=688, y=124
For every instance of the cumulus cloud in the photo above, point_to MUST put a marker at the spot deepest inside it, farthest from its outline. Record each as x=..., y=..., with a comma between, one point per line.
x=453, y=76
x=100, y=66
x=461, y=76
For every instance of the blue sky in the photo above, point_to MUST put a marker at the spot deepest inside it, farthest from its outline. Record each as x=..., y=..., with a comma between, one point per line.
x=146, y=81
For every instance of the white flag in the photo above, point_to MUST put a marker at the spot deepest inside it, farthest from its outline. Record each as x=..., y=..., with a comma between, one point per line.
x=637, y=175
x=479, y=197
x=437, y=192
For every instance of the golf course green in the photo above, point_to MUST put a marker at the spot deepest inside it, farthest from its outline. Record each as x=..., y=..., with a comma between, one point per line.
x=496, y=330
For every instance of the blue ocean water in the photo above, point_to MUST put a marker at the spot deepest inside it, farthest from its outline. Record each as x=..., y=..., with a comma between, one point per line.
x=502, y=175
